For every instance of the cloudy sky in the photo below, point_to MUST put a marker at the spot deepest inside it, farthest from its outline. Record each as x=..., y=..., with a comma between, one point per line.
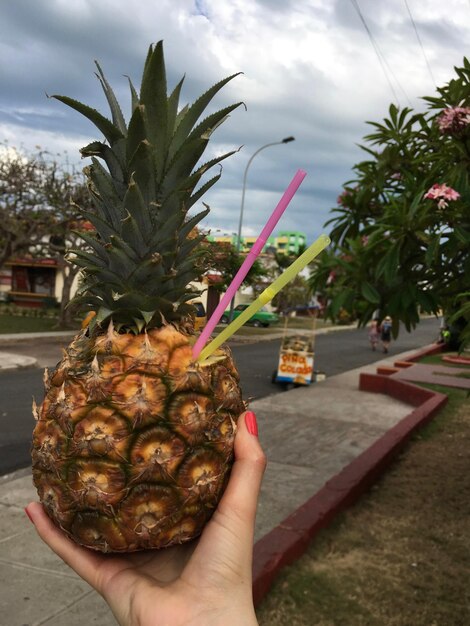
x=309, y=69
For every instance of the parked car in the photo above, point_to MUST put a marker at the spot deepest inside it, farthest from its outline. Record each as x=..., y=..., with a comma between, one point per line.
x=263, y=317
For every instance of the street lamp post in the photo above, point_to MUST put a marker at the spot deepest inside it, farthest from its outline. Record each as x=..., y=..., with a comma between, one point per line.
x=240, y=221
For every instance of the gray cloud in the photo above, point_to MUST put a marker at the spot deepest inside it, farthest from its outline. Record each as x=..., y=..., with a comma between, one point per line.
x=309, y=71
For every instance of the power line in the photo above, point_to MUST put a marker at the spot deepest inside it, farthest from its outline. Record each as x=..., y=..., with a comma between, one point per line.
x=383, y=63
x=374, y=45
x=420, y=43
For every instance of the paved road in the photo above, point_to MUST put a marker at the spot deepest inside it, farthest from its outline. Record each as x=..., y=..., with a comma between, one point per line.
x=334, y=353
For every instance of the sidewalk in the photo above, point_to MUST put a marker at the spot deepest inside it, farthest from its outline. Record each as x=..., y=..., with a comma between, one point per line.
x=19, y=350
x=309, y=435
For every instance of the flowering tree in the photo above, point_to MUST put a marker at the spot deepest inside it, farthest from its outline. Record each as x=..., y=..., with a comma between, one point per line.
x=401, y=230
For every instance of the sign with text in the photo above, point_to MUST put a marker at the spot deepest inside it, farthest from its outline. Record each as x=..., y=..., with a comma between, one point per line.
x=295, y=367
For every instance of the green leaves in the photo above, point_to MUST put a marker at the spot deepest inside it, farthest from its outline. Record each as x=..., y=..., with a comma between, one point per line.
x=389, y=265
x=118, y=117
x=109, y=130
x=393, y=249
x=370, y=293
x=142, y=180
x=192, y=114
x=341, y=300
x=432, y=253
x=153, y=97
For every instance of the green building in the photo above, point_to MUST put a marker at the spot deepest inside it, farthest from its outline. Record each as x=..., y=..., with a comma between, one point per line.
x=283, y=242
x=288, y=242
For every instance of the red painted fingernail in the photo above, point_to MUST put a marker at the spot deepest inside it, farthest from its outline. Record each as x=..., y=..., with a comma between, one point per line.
x=29, y=515
x=251, y=424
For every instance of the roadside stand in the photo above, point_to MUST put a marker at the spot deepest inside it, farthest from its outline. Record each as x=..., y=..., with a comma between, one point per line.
x=297, y=357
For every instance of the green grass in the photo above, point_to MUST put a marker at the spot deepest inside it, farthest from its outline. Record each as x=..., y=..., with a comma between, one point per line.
x=28, y=324
x=15, y=324
x=400, y=555
x=248, y=331
x=302, y=324
x=305, y=323
x=436, y=359
x=455, y=399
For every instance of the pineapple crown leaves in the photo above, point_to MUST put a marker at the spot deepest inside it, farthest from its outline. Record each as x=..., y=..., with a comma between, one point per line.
x=143, y=180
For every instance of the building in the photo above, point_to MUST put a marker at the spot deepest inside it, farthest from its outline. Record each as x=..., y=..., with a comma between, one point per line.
x=289, y=242
x=38, y=282
x=284, y=242
x=33, y=282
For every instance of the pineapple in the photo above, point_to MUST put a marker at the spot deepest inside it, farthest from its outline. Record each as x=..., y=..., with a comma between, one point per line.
x=134, y=439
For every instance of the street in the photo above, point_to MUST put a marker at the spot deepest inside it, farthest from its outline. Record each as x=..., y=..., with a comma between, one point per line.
x=335, y=352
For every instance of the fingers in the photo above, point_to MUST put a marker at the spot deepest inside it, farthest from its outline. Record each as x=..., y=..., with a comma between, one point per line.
x=84, y=562
x=241, y=495
x=225, y=549
x=236, y=511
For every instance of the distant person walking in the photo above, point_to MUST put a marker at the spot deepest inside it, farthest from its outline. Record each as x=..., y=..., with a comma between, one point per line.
x=374, y=334
x=386, y=333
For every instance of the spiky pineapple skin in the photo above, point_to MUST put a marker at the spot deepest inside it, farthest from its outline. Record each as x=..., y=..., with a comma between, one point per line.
x=134, y=440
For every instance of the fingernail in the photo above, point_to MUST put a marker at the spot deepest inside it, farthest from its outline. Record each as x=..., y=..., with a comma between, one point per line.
x=251, y=424
x=29, y=515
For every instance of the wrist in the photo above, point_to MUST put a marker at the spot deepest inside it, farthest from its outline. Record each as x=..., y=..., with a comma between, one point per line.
x=235, y=615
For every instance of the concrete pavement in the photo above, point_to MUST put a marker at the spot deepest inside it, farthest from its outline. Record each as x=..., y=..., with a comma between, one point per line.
x=10, y=360
x=20, y=350
x=309, y=435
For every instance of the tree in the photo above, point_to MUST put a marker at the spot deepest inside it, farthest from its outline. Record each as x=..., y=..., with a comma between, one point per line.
x=297, y=292
x=25, y=218
x=39, y=216
x=221, y=262
x=68, y=236
x=401, y=230
x=224, y=259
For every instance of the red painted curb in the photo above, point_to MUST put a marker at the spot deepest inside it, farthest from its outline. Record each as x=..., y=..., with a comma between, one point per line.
x=288, y=541
x=387, y=371
x=433, y=348
x=459, y=360
x=403, y=363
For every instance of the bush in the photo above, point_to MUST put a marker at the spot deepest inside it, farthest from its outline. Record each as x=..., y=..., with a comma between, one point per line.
x=24, y=311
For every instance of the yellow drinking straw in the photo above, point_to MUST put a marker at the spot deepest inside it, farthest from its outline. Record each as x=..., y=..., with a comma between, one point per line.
x=267, y=295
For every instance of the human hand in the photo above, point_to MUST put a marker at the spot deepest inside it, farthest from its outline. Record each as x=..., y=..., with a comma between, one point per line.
x=207, y=582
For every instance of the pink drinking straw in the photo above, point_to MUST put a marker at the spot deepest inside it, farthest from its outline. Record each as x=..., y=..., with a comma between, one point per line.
x=248, y=262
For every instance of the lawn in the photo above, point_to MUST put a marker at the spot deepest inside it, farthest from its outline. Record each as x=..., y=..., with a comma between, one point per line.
x=35, y=324
x=436, y=359
x=19, y=324
x=401, y=555
x=305, y=323
x=297, y=323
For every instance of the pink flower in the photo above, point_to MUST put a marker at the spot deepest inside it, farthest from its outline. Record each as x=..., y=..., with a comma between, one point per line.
x=342, y=198
x=454, y=120
x=331, y=277
x=442, y=193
